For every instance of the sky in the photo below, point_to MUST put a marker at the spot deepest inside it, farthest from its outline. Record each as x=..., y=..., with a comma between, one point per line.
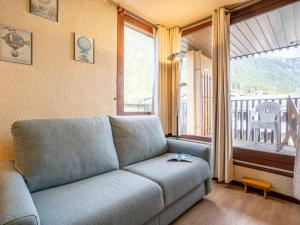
x=285, y=53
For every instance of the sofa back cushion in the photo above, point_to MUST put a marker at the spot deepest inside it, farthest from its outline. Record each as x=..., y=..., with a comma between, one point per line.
x=137, y=138
x=54, y=152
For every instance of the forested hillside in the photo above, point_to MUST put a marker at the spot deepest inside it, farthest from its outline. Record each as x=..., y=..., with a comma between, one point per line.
x=266, y=74
x=138, y=67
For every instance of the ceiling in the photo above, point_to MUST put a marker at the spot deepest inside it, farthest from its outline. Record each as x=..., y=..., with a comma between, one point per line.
x=171, y=13
x=276, y=29
x=199, y=40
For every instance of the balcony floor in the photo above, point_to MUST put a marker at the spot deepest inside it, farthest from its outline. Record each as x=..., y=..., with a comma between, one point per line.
x=287, y=149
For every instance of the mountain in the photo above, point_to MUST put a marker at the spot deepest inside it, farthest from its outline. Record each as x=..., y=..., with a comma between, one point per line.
x=294, y=62
x=267, y=75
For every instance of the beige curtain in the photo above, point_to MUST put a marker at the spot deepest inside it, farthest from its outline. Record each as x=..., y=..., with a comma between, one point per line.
x=167, y=42
x=222, y=140
x=175, y=46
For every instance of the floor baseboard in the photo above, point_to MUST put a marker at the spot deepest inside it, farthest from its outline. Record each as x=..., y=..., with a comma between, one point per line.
x=271, y=193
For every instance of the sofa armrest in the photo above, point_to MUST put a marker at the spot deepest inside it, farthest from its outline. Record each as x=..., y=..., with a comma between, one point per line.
x=192, y=148
x=16, y=204
x=199, y=150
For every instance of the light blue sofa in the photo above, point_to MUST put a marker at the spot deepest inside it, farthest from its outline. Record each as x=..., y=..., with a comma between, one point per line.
x=99, y=171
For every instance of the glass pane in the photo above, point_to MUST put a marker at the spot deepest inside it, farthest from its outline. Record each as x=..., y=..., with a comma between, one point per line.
x=195, y=95
x=272, y=77
x=265, y=82
x=183, y=99
x=195, y=100
x=138, y=71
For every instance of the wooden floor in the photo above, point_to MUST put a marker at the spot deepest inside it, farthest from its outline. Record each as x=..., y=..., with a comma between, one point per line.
x=229, y=205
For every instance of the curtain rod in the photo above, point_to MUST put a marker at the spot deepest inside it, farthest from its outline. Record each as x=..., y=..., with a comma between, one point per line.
x=130, y=13
x=231, y=8
x=198, y=22
x=238, y=6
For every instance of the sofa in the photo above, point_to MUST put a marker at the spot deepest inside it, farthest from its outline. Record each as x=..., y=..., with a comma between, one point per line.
x=99, y=171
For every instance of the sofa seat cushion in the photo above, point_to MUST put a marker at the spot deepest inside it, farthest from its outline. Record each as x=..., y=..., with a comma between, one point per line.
x=114, y=198
x=175, y=178
x=54, y=152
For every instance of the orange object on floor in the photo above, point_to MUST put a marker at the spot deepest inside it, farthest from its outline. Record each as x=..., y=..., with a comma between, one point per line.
x=260, y=184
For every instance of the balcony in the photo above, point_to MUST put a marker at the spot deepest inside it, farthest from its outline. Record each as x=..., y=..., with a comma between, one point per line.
x=265, y=142
x=240, y=109
x=137, y=107
x=145, y=106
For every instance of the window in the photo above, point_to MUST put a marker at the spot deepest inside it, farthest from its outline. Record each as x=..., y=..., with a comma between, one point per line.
x=271, y=77
x=256, y=30
x=195, y=88
x=138, y=70
x=135, y=66
x=264, y=74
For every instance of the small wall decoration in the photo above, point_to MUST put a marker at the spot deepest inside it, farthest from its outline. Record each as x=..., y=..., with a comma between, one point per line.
x=45, y=8
x=15, y=45
x=84, y=48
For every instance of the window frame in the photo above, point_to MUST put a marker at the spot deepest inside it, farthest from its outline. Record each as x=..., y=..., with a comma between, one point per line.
x=254, y=159
x=123, y=20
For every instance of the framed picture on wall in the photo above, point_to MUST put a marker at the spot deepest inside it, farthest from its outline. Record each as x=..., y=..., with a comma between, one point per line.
x=15, y=45
x=84, y=48
x=45, y=8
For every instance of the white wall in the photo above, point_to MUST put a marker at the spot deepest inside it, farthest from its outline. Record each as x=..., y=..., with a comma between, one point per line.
x=56, y=85
x=280, y=184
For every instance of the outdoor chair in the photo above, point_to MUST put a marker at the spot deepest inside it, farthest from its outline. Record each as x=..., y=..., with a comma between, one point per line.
x=268, y=117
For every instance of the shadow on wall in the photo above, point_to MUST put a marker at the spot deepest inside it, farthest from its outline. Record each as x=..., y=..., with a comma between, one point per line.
x=6, y=148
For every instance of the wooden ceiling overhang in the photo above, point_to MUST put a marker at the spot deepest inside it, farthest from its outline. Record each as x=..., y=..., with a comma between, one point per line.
x=265, y=26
